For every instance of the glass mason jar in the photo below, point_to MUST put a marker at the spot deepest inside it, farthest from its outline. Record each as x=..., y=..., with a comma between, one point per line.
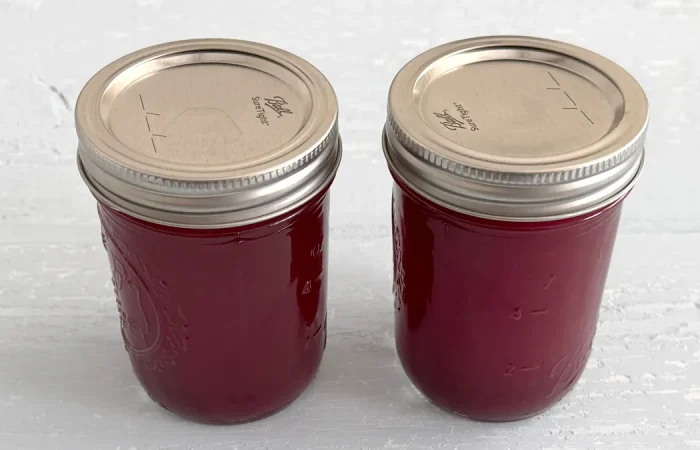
x=511, y=158
x=211, y=162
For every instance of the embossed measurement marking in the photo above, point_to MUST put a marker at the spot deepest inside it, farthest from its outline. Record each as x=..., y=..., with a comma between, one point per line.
x=571, y=100
x=147, y=113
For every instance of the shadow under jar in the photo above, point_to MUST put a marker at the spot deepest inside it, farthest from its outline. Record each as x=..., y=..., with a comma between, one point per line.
x=211, y=162
x=511, y=158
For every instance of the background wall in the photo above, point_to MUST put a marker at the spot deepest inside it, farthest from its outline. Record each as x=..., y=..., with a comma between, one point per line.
x=65, y=381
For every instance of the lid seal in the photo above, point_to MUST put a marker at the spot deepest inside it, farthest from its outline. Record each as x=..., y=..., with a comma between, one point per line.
x=207, y=133
x=516, y=128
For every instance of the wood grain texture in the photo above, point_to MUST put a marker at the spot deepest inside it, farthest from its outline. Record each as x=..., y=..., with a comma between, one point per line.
x=65, y=380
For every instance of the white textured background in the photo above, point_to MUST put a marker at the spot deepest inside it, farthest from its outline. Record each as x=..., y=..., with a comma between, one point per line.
x=65, y=381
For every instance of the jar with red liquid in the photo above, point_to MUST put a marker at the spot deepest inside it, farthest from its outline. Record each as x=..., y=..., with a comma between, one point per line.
x=211, y=162
x=511, y=158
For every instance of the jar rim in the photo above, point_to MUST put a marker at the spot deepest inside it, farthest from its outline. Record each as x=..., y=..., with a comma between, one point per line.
x=463, y=204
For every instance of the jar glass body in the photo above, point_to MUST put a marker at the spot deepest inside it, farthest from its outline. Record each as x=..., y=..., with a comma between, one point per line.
x=222, y=325
x=494, y=320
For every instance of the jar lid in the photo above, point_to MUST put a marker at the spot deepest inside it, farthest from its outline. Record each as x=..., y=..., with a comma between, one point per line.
x=207, y=133
x=516, y=128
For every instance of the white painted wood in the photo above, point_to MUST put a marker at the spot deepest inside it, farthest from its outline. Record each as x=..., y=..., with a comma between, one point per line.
x=65, y=381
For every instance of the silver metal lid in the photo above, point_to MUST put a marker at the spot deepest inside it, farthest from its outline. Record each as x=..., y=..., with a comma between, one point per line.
x=207, y=133
x=516, y=128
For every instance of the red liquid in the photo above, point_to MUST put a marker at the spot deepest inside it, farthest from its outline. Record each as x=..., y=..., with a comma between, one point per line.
x=494, y=320
x=222, y=326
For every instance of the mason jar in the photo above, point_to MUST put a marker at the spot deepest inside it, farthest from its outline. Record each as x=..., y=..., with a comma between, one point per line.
x=511, y=158
x=211, y=162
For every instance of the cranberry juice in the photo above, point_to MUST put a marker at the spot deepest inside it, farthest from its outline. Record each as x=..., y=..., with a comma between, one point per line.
x=494, y=320
x=222, y=325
